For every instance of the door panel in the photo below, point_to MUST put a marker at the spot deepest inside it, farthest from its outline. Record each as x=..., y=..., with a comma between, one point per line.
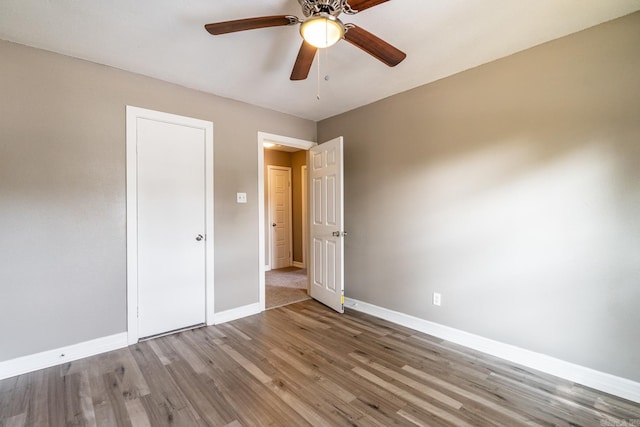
x=317, y=255
x=171, y=214
x=326, y=229
x=331, y=201
x=316, y=198
x=332, y=252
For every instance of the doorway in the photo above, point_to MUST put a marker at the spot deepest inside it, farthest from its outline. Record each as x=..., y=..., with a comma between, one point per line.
x=289, y=284
x=286, y=276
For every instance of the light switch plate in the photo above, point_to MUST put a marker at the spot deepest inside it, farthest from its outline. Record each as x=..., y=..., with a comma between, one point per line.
x=437, y=298
x=241, y=197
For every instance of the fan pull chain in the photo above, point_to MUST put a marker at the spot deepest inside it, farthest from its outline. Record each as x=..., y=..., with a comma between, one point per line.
x=318, y=88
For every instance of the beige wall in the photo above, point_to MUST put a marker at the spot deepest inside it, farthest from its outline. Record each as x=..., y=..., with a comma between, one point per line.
x=514, y=190
x=62, y=194
x=276, y=158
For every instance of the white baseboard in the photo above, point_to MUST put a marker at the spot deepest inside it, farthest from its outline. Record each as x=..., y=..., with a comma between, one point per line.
x=236, y=313
x=602, y=381
x=267, y=268
x=298, y=264
x=46, y=359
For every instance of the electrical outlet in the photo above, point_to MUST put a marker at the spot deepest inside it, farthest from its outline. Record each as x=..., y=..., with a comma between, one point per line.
x=437, y=298
x=241, y=197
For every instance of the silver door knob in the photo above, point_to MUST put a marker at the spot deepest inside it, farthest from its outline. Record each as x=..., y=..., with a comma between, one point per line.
x=199, y=237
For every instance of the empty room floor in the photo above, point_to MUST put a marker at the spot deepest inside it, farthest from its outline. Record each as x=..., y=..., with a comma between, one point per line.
x=302, y=364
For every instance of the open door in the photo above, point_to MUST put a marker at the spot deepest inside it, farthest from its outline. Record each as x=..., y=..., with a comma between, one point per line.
x=326, y=227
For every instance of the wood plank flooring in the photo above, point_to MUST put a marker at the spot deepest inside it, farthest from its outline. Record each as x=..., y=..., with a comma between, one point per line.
x=302, y=365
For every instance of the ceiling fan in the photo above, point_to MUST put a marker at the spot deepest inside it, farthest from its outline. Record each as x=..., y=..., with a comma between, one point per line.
x=320, y=28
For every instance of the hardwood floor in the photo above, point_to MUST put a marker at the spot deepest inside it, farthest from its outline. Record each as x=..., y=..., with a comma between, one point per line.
x=302, y=365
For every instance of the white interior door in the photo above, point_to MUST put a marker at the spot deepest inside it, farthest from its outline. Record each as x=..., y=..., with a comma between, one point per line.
x=280, y=215
x=327, y=224
x=171, y=226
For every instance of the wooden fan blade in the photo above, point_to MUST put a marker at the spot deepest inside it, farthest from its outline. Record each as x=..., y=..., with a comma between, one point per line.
x=218, y=28
x=303, y=61
x=360, y=5
x=374, y=46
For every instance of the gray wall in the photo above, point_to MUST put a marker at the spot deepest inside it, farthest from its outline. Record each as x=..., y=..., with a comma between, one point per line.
x=62, y=194
x=514, y=190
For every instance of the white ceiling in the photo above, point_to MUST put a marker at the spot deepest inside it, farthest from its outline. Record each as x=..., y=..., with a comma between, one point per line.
x=166, y=39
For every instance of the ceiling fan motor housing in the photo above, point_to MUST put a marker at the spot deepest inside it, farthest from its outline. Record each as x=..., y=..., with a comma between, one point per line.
x=314, y=7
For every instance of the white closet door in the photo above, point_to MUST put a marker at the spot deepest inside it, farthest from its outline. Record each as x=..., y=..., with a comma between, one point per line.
x=171, y=226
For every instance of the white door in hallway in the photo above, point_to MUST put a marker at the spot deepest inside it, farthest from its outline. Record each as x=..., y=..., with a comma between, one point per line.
x=327, y=233
x=280, y=216
x=171, y=226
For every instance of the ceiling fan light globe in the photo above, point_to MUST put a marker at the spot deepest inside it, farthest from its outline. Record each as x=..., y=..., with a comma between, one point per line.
x=322, y=30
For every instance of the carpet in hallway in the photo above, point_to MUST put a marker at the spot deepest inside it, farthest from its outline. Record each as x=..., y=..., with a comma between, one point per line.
x=278, y=296
x=285, y=286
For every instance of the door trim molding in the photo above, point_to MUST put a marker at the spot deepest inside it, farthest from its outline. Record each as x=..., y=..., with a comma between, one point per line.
x=304, y=176
x=132, y=116
x=270, y=214
x=280, y=140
